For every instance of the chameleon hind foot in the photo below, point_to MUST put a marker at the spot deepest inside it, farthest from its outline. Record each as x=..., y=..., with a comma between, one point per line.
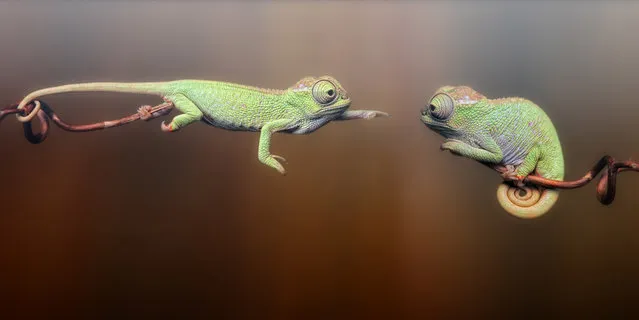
x=167, y=128
x=190, y=113
x=145, y=112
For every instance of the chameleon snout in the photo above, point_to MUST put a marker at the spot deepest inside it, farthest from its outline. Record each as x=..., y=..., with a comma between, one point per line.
x=424, y=115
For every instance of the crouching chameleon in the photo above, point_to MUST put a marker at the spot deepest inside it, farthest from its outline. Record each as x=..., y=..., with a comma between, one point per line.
x=511, y=135
x=303, y=108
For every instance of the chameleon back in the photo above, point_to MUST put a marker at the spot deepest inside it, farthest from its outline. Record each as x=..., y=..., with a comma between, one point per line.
x=233, y=106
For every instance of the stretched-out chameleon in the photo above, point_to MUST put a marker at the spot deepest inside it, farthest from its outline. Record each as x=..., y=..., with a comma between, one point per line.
x=302, y=108
x=511, y=135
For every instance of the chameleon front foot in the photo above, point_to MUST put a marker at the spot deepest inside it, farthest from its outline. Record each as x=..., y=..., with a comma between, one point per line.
x=272, y=161
x=452, y=146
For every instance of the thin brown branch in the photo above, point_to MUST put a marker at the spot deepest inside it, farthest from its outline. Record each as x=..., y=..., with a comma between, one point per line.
x=46, y=114
x=606, y=186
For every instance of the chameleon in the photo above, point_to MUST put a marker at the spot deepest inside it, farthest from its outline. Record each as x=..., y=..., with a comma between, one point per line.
x=513, y=136
x=302, y=108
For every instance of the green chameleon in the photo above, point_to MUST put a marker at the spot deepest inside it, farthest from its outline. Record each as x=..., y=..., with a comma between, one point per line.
x=301, y=109
x=511, y=135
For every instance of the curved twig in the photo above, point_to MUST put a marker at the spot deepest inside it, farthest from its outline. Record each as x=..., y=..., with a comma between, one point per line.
x=9, y=110
x=606, y=186
x=46, y=113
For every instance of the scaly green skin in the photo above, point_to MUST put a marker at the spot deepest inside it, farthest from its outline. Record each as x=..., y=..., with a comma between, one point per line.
x=301, y=109
x=511, y=135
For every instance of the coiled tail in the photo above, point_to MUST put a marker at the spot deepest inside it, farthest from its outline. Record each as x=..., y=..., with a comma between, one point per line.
x=528, y=202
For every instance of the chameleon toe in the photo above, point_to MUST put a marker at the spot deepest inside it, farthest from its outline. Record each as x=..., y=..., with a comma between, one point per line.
x=279, y=158
x=165, y=127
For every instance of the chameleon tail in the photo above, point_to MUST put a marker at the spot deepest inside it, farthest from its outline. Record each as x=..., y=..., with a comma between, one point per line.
x=534, y=203
x=141, y=87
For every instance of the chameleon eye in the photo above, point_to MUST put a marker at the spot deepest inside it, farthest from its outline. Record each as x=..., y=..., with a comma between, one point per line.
x=441, y=106
x=324, y=92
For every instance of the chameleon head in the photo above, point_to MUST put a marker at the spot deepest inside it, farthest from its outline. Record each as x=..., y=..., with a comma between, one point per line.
x=319, y=96
x=450, y=109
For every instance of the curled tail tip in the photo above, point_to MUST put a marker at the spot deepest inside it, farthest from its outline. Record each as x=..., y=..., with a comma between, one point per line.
x=32, y=114
x=532, y=204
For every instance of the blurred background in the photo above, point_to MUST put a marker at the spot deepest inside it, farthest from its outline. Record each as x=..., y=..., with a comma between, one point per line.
x=372, y=220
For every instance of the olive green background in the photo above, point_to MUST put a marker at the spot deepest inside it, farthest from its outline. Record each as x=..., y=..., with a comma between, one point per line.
x=372, y=221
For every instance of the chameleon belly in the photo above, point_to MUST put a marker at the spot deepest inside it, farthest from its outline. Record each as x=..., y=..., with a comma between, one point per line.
x=229, y=125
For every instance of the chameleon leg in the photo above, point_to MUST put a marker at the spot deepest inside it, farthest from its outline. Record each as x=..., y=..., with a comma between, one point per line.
x=491, y=153
x=529, y=164
x=190, y=113
x=512, y=173
x=264, y=154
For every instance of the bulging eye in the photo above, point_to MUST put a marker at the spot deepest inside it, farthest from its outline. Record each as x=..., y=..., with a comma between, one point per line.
x=324, y=92
x=441, y=106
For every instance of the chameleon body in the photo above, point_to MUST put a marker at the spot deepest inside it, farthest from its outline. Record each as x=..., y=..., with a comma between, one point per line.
x=302, y=108
x=511, y=135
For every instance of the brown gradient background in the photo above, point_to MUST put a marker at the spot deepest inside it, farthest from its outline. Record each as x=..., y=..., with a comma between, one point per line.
x=373, y=221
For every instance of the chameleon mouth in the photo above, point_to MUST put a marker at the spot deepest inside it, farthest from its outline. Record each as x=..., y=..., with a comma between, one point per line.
x=436, y=126
x=433, y=126
x=335, y=109
x=330, y=112
x=429, y=123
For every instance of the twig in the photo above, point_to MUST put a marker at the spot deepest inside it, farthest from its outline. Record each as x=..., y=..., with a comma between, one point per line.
x=47, y=113
x=606, y=185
